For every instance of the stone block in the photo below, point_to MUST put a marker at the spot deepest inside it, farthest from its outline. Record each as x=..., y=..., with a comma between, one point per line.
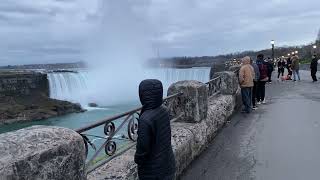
x=229, y=82
x=42, y=152
x=193, y=104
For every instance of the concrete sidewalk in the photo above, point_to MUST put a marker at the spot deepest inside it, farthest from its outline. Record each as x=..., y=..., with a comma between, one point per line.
x=279, y=141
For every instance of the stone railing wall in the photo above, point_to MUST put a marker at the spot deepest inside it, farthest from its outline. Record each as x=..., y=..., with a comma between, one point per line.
x=58, y=153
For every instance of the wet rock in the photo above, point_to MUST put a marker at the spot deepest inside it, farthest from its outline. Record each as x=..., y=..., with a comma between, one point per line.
x=42, y=152
x=93, y=105
x=29, y=108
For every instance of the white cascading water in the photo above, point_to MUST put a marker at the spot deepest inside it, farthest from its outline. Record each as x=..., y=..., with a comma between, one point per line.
x=75, y=87
x=68, y=86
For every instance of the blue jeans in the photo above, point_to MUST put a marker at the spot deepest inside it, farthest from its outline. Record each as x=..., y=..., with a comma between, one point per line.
x=295, y=74
x=246, y=93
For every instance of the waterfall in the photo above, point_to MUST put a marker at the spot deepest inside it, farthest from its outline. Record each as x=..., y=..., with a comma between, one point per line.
x=68, y=86
x=80, y=87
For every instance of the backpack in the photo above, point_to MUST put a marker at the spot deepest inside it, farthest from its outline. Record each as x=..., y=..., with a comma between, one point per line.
x=263, y=68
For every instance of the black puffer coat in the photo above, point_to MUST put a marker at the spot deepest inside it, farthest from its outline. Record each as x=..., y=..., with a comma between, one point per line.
x=154, y=154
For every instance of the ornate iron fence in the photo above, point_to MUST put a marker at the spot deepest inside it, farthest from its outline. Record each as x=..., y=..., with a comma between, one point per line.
x=125, y=124
x=214, y=86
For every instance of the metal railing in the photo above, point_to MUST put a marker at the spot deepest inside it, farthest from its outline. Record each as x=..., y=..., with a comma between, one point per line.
x=214, y=86
x=112, y=127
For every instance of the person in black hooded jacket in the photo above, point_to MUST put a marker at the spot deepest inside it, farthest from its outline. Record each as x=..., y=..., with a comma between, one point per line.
x=314, y=68
x=154, y=154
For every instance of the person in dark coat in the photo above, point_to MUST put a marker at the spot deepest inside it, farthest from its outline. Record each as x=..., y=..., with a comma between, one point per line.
x=154, y=154
x=263, y=69
x=270, y=68
x=314, y=68
x=281, y=65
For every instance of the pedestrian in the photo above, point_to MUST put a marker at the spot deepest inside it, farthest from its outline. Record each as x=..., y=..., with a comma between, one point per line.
x=289, y=67
x=270, y=68
x=263, y=68
x=246, y=76
x=281, y=64
x=154, y=154
x=295, y=67
x=314, y=68
x=255, y=84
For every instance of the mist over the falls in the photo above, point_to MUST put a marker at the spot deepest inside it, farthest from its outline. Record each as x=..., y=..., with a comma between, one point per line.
x=118, y=46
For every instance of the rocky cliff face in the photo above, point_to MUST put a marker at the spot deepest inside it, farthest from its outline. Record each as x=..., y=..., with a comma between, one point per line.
x=24, y=97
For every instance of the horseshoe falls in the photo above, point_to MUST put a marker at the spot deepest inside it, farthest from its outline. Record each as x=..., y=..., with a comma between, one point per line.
x=79, y=87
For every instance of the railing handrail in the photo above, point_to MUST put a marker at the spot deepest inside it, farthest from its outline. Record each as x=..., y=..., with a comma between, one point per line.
x=118, y=116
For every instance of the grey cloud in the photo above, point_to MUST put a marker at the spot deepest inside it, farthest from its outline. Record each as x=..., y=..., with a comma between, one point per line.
x=175, y=27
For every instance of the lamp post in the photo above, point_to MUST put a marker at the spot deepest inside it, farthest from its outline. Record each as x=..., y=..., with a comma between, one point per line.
x=314, y=49
x=272, y=45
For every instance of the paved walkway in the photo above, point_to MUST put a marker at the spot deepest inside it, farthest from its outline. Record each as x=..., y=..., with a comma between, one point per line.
x=280, y=141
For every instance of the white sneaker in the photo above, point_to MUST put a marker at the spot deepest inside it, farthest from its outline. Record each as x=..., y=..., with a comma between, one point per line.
x=264, y=102
x=254, y=108
x=258, y=102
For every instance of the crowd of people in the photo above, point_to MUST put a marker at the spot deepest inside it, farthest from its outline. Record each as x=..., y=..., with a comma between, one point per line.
x=253, y=77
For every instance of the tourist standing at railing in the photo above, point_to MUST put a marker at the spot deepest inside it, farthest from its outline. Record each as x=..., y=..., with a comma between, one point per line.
x=246, y=77
x=255, y=84
x=314, y=68
x=263, y=68
x=289, y=67
x=154, y=154
x=295, y=67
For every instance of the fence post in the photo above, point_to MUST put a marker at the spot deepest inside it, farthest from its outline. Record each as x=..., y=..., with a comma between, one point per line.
x=192, y=104
x=229, y=82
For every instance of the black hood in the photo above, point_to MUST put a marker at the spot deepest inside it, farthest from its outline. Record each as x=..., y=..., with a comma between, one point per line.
x=151, y=94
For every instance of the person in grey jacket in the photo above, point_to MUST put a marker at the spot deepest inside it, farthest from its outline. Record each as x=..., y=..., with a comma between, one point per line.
x=255, y=83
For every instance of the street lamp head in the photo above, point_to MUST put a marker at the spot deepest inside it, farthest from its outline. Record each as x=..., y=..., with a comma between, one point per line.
x=272, y=42
x=296, y=52
x=314, y=46
x=292, y=53
x=289, y=54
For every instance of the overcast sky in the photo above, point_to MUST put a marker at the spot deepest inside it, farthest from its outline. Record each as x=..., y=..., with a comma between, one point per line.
x=46, y=31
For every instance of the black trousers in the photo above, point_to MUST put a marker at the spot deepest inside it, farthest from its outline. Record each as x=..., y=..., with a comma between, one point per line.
x=313, y=74
x=280, y=72
x=254, y=93
x=269, y=76
x=170, y=177
x=261, y=91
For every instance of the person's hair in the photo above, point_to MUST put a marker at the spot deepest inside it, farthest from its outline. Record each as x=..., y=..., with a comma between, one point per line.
x=260, y=56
